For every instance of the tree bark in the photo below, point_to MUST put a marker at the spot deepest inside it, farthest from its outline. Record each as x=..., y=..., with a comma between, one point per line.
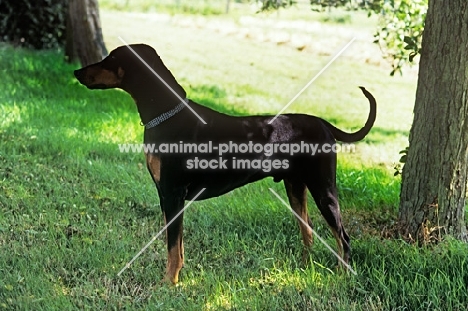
x=434, y=181
x=84, y=34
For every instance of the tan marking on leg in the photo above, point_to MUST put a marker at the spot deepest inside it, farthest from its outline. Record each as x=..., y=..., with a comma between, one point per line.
x=339, y=245
x=306, y=231
x=175, y=258
x=154, y=164
x=175, y=261
x=301, y=209
x=298, y=201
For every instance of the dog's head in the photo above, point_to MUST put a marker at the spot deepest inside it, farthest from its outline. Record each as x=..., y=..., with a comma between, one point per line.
x=118, y=67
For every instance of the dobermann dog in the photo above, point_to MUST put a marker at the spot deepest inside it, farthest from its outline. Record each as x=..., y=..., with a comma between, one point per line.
x=170, y=118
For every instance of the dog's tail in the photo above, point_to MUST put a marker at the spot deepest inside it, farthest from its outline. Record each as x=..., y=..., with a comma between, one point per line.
x=356, y=136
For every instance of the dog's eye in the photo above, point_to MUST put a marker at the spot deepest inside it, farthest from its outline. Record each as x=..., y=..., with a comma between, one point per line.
x=109, y=62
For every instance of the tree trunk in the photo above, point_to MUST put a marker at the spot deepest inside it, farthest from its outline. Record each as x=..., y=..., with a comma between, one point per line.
x=434, y=181
x=84, y=35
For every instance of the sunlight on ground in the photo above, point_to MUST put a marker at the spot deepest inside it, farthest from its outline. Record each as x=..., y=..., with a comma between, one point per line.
x=112, y=131
x=225, y=295
x=11, y=114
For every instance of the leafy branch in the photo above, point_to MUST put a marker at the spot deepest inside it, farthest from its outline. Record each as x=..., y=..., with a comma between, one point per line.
x=400, y=27
x=399, y=34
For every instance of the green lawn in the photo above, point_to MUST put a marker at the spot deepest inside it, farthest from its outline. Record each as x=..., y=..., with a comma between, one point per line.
x=74, y=210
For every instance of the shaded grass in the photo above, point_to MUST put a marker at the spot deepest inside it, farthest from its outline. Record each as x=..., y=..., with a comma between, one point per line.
x=73, y=210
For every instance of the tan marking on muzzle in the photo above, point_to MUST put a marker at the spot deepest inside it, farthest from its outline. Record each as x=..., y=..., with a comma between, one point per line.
x=97, y=75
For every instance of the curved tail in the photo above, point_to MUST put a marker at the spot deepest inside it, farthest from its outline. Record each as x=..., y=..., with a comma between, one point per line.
x=356, y=136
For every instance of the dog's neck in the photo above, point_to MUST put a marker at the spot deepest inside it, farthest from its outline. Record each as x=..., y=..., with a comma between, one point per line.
x=161, y=98
x=151, y=107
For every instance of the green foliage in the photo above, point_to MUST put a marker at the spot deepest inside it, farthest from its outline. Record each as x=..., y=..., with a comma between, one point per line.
x=400, y=31
x=320, y=5
x=399, y=166
x=38, y=24
x=276, y=4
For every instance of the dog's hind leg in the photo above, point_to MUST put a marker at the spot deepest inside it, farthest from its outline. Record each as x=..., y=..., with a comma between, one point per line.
x=297, y=195
x=326, y=198
x=171, y=206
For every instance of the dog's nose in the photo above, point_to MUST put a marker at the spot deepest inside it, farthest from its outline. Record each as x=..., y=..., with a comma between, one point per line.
x=78, y=73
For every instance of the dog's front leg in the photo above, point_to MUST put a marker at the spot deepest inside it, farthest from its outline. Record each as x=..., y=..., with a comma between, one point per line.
x=172, y=204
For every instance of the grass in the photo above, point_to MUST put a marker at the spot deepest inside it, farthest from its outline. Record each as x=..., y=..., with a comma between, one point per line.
x=203, y=7
x=73, y=210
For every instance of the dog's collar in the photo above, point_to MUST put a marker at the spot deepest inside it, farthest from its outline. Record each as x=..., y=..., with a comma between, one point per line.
x=168, y=114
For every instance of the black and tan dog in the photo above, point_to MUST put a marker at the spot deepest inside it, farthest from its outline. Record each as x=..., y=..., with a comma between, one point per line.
x=167, y=120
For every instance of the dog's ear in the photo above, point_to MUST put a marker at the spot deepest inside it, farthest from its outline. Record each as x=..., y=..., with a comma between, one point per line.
x=151, y=57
